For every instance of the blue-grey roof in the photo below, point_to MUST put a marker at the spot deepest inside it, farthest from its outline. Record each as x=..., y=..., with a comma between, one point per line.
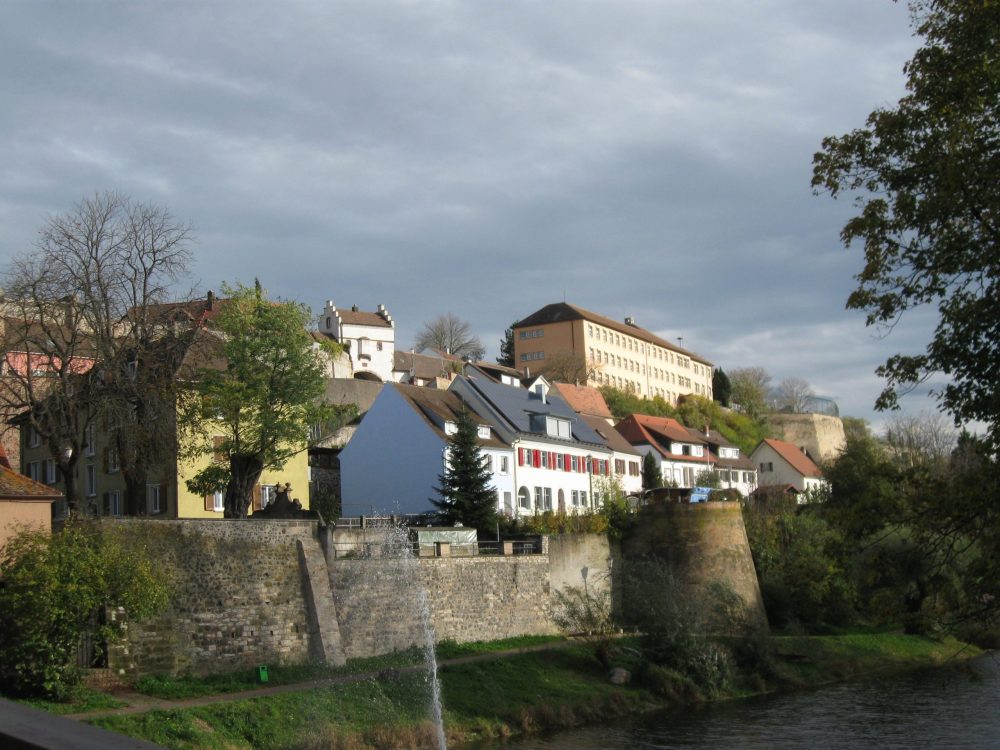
x=517, y=404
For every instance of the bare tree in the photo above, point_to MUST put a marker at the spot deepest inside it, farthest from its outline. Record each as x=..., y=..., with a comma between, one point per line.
x=83, y=309
x=792, y=395
x=452, y=335
x=916, y=439
x=750, y=387
x=567, y=367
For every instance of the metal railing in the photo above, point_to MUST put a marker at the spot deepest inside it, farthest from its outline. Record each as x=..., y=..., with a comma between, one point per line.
x=375, y=549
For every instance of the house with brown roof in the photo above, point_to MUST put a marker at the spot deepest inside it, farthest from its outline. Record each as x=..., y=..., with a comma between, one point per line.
x=24, y=503
x=681, y=452
x=618, y=354
x=368, y=337
x=735, y=471
x=781, y=463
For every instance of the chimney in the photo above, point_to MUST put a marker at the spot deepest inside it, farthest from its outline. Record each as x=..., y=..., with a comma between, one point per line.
x=210, y=299
x=630, y=321
x=354, y=308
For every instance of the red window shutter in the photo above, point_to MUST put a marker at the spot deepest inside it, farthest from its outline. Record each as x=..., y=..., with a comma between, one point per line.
x=566, y=465
x=607, y=468
x=552, y=459
x=520, y=456
x=256, y=497
x=538, y=458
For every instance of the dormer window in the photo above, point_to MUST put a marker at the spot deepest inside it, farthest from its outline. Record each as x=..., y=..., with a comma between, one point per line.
x=560, y=428
x=450, y=427
x=483, y=431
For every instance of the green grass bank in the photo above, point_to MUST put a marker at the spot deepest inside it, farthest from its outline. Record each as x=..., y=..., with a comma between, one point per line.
x=499, y=695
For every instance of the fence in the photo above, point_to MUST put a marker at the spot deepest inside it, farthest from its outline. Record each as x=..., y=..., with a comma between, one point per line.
x=366, y=550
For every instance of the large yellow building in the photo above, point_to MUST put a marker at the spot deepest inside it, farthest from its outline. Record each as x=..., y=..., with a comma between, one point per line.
x=617, y=354
x=102, y=484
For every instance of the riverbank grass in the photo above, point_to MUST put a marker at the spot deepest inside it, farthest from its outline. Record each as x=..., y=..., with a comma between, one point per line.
x=508, y=695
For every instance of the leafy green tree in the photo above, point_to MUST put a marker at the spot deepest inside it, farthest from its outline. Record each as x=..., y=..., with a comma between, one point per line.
x=506, y=357
x=652, y=477
x=464, y=490
x=925, y=175
x=54, y=584
x=262, y=397
x=750, y=387
x=722, y=388
x=708, y=478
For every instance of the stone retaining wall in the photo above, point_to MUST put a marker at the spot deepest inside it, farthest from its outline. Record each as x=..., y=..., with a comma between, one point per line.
x=237, y=597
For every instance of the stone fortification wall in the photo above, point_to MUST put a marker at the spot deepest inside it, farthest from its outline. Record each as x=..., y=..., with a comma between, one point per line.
x=470, y=599
x=704, y=543
x=573, y=557
x=237, y=597
x=821, y=435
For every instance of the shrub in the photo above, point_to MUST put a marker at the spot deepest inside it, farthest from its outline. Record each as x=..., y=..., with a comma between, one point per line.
x=53, y=586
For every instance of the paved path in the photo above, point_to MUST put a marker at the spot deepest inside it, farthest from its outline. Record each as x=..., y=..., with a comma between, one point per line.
x=139, y=703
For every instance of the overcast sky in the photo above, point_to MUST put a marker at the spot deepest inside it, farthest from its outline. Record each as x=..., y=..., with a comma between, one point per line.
x=635, y=158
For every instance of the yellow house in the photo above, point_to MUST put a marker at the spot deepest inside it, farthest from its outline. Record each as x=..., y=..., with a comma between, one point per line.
x=295, y=472
x=622, y=355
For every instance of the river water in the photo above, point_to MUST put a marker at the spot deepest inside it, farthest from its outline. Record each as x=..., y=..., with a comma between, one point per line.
x=949, y=707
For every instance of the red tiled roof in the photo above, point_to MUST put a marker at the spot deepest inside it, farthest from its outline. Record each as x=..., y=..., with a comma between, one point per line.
x=14, y=486
x=798, y=460
x=584, y=399
x=658, y=432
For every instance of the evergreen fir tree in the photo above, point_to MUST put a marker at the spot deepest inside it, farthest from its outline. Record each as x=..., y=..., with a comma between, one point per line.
x=722, y=389
x=506, y=357
x=464, y=486
x=651, y=475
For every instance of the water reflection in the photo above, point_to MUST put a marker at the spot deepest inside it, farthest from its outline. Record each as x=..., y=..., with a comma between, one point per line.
x=954, y=707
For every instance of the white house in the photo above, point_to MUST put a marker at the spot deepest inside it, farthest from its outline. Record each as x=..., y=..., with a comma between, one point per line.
x=368, y=337
x=735, y=471
x=560, y=463
x=682, y=454
x=394, y=460
x=781, y=463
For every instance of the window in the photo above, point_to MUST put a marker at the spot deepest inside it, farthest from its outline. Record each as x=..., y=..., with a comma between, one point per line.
x=35, y=470
x=113, y=503
x=113, y=463
x=766, y=467
x=218, y=501
x=575, y=498
x=34, y=439
x=483, y=431
x=619, y=466
x=547, y=494
x=531, y=356
x=450, y=428
x=378, y=346
x=559, y=461
x=504, y=465
x=267, y=494
x=88, y=440
x=538, y=499
x=91, y=480
x=488, y=462
x=524, y=498
x=545, y=459
x=583, y=498
x=50, y=471
x=153, y=499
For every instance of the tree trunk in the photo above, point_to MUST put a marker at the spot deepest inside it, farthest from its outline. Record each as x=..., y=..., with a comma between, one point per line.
x=68, y=471
x=244, y=471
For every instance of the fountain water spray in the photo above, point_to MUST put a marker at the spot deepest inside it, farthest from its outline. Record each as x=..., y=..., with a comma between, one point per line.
x=396, y=546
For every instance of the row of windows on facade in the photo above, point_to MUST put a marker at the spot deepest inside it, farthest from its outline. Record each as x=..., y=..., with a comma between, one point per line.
x=543, y=500
x=217, y=500
x=537, y=333
x=603, y=334
x=540, y=459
